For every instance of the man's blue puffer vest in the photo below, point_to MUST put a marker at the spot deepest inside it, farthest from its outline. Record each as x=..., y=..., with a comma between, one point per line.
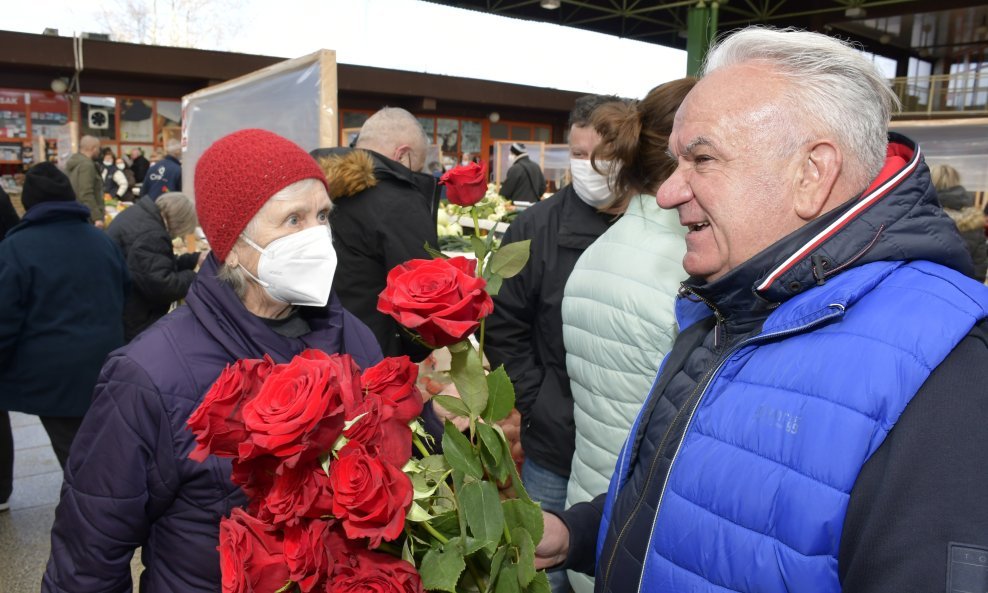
x=785, y=424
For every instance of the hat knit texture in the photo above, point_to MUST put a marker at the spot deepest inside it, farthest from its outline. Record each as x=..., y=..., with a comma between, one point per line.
x=238, y=174
x=45, y=183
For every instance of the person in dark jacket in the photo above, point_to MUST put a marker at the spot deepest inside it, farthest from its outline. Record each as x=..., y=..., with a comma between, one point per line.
x=525, y=332
x=8, y=220
x=959, y=205
x=130, y=482
x=144, y=233
x=832, y=360
x=384, y=214
x=524, y=180
x=138, y=164
x=62, y=289
x=164, y=175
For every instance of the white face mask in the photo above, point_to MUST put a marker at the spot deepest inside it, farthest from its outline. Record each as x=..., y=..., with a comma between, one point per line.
x=297, y=269
x=108, y=163
x=591, y=186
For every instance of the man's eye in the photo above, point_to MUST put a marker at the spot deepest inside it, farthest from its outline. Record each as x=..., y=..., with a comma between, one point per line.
x=292, y=220
x=324, y=216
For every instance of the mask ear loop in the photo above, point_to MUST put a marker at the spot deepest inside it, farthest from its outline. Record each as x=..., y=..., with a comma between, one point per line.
x=261, y=250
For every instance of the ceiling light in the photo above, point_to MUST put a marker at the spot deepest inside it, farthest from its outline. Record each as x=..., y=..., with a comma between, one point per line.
x=855, y=12
x=550, y=4
x=60, y=85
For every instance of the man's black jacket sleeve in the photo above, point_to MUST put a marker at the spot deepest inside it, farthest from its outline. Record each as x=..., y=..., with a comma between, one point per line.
x=926, y=487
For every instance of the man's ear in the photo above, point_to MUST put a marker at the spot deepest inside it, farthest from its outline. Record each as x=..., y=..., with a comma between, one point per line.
x=400, y=151
x=816, y=178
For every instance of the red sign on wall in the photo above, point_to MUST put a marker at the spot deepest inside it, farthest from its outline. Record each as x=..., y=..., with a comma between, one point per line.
x=13, y=115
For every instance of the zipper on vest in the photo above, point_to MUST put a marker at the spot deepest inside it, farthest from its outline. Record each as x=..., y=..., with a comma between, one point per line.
x=692, y=404
x=688, y=293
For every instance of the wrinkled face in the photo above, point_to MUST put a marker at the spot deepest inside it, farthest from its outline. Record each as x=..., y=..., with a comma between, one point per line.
x=280, y=218
x=582, y=141
x=732, y=190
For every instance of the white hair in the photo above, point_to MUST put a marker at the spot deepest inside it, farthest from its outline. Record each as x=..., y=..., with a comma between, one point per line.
x=832, y=85
x=388, y=129
x=173, y=147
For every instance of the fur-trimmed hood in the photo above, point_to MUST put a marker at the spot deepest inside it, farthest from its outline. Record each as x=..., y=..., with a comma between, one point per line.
x=348, y=171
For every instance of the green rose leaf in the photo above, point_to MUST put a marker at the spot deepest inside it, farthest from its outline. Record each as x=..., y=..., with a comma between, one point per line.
x=468, y=376
x=453, y=404
x=526, y=555
x=510, y=259
x=492, y=451
x=524, y=514
x=435, y=253
x=481, y=505
x=479, y=247
x=468, y=546
x=494, y=284
x=496, y=562
x=459, y=453
x=500, y=396
x=441, y=569
x=507, y=579
x=540, y=584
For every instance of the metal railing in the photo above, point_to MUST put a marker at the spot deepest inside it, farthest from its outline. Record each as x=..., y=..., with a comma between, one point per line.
x=943, y=94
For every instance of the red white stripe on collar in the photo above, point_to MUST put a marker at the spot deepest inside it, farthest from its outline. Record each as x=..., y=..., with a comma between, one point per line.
x=896, y=169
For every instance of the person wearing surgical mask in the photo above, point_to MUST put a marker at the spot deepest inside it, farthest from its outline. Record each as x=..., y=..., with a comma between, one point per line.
x=525, y=331
x=264, y=290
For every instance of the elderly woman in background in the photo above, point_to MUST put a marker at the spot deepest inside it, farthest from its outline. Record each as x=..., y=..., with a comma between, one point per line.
x=144, y=233
x=130, y=482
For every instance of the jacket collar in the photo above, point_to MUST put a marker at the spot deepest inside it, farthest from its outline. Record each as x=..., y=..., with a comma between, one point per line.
x=51, y=211
x=244, y=335
x=579, y=223
x=897, y=218
x=147, y=204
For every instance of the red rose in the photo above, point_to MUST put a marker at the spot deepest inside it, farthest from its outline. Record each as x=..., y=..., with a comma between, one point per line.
x=252, y=555
x=359, y=570
x=394, y=380
x=296, y=493
x=369, y=495
x=465, y=184
x=218, y=422
x=255, y=477
x=308, y=554
x=441, y=299
x=380, y=432
x=299, y=411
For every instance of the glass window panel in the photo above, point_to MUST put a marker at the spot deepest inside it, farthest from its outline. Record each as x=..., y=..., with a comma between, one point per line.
x=499, y=131
x=354, y=119
x=136, y=122
x=471, y=131
x=99, y=117
x=521, y=132
x=429, y=126
x=448, y=134
x=169, y=121
x=543, y=134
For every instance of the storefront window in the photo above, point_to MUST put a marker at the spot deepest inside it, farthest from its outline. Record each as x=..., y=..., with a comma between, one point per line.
x=136, y=121
x=99, y=117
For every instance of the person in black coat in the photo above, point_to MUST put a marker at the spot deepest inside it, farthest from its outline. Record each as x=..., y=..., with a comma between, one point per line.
x=144, y=233
x=524, y=180
x=8, y=216
x=959, y=205
x=138, y=164
x=384, y=213
x=62, y=289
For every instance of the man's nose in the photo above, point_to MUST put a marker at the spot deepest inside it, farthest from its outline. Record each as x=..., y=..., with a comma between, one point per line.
x=673, y=191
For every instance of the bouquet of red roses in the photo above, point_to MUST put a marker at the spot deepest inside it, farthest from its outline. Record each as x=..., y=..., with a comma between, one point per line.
x=323, y=451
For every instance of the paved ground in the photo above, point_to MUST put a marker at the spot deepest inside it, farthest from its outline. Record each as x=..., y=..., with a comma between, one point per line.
x=24, y=530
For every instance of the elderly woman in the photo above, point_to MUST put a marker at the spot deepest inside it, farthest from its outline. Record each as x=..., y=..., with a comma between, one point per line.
x=144, y=233
x=130, y=483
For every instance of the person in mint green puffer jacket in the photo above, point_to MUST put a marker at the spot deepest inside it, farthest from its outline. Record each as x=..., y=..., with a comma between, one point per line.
x=618, y=317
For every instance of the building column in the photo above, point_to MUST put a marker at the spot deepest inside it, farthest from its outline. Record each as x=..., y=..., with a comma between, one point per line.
x=701, y=27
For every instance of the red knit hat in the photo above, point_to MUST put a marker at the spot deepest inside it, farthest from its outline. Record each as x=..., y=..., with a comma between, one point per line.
x=237, y=175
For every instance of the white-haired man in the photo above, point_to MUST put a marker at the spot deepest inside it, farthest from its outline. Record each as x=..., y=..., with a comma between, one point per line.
x=165, y=175
x=384, y=213
x=830, y=374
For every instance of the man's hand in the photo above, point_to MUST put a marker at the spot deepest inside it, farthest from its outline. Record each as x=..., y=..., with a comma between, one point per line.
x=554, y=547
x=460, y=422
